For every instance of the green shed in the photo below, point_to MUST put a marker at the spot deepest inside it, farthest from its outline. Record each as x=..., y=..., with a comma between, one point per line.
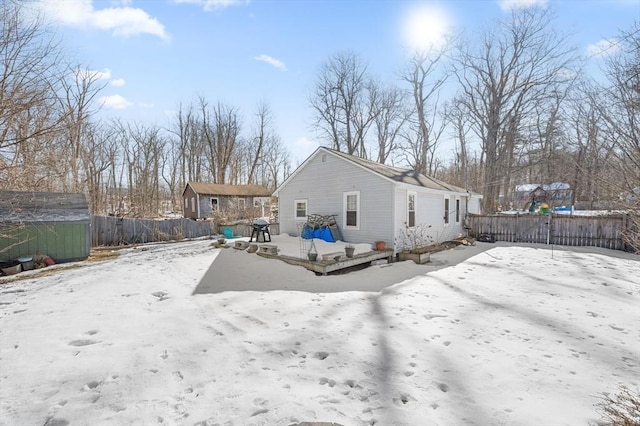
x=50, y=223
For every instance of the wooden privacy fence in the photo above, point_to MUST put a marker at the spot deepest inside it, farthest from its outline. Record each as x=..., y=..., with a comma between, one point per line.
x=598, y=231
x=112, y=231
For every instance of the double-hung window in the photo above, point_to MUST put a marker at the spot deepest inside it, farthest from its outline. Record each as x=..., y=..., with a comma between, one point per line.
x=351, y=202
x=446, y=210
x=411, y=209
x=300, y=209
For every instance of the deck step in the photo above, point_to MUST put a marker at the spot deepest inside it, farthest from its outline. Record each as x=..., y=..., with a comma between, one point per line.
x=269, y=249
x=328, y=257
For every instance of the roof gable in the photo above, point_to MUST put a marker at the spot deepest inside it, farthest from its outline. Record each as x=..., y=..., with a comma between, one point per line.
x=201, y=188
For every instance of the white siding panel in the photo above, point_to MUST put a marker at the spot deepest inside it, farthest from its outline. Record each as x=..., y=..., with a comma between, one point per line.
x=429, y=212
x=323, y=183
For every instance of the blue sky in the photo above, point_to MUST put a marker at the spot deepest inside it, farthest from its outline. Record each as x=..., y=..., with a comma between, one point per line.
x=155, y=54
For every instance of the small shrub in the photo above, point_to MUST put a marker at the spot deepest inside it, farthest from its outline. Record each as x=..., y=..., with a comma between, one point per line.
x=621, y=409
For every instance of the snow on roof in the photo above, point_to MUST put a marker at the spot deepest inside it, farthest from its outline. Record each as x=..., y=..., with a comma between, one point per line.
x=230, y=190
x=555, y=186
x=19, y=206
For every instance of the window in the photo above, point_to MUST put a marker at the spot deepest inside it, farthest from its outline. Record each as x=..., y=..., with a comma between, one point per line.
x=411, y=209
x=257, y=202
x=186, y=203
x=457, y=210
x=214, y=204
x=241, y=203
x=301, y=209
x=352, y=209
x=193, y=204
x=446, y=210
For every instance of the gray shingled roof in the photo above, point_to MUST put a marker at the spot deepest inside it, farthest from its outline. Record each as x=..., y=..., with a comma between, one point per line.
x=230, y=190
x=397, y=174
x=17, y=206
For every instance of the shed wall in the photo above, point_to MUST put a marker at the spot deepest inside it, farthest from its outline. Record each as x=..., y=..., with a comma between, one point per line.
x=61, y=241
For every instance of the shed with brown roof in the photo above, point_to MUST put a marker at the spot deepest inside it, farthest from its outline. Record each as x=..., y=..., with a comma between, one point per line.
x=208, y=200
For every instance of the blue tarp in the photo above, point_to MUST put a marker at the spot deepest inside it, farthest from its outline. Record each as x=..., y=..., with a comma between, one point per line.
x=319, y=233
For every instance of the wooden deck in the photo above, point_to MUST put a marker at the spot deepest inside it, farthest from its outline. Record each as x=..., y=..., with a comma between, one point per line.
x=324, y=267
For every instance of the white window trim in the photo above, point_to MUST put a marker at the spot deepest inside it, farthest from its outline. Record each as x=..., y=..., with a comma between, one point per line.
x=446, y=213
x=415, y=207
x=295, y=209
x=344, y=210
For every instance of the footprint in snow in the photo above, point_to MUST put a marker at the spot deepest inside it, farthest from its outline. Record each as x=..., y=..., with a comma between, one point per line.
x=82, y=342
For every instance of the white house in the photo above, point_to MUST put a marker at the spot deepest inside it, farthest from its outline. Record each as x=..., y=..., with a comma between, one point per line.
x=372, y=201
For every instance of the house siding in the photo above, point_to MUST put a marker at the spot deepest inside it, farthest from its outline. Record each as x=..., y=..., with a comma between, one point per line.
x=323, y=184
x=429, y=214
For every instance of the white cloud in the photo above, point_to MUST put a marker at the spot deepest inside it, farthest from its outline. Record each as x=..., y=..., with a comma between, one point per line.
x=507, y=5
x=118, y=82
x=85, y=74
x=271, y=61
x=209, y=5
x=122, y=21
x=603, y=47
x=115, y=102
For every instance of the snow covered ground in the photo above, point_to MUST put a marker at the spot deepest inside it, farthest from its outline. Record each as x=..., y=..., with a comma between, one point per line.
x=513, y=335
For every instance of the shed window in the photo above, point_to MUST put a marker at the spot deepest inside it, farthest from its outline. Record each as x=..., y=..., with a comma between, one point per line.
x=352, y=209
x=193, y=204
x=214, y=204
x=457, y=210
x=241, y=203
x=301, y=209
x=411, y=209
x=446, y=210
x=186, y=203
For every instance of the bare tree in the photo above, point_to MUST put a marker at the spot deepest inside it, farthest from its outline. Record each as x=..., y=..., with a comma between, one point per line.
x=390, y=117
x=221, y=132
x=260, y=137
x=343, y=102
x=78, y=91
x=502, y=79
x=29, y=77
x=425, y=83
x=621, y=108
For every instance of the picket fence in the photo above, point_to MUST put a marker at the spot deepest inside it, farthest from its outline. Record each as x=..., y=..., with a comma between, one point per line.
x=598, y=231
x=114, y=231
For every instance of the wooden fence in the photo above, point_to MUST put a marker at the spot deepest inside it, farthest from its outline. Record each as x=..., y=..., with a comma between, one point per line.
x=598, y=231
x=113, y=231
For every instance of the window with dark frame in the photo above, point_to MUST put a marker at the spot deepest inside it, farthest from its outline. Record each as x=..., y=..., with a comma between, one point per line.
x=446, y=210
x=457, y=210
